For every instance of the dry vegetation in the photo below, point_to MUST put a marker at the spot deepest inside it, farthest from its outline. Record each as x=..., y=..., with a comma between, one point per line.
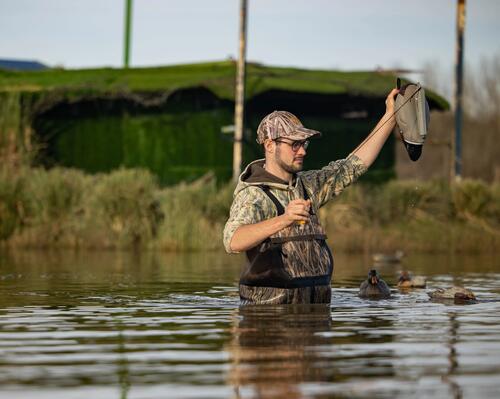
x=65, y=208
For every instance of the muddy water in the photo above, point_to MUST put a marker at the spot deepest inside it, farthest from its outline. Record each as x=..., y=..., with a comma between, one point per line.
x=108, y=325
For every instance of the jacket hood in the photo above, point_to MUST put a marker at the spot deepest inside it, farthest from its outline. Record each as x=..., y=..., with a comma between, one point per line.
x=256, y=175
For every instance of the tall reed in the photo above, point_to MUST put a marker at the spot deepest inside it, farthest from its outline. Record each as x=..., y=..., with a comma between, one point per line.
x=14, y=202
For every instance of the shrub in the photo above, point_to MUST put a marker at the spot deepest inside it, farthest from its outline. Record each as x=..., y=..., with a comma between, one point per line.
x=56, y=194
x=56, y=207
x=471, y=197
x=124, y=204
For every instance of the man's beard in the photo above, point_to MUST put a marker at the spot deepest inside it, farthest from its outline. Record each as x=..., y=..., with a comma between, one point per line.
x=290, y=168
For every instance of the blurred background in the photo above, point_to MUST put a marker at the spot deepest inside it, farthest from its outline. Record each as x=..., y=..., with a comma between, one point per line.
x=115, y=89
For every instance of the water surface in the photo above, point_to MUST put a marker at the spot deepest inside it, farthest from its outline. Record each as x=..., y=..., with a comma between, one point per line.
x=122, y=325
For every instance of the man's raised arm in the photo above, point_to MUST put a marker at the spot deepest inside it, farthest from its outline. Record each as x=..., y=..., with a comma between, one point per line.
x=369, y=149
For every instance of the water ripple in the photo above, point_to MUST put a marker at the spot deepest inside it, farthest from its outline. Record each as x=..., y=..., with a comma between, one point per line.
x=151, y=337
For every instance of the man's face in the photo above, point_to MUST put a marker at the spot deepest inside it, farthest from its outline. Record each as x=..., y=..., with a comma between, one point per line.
x=287, y=158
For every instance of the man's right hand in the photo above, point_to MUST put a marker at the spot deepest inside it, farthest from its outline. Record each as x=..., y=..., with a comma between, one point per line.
x=248, y=236
x=297, y=210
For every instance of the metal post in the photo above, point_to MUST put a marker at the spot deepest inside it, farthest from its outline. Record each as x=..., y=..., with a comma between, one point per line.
x=240, y=93
x=128, y=22
x=459, y=70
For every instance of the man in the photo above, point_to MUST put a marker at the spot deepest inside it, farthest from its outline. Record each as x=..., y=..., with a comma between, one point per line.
x=273, y=217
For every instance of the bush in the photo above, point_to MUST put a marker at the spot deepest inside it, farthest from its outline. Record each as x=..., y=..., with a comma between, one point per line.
x=471, y=197
x=125, y=205
x=56, y=194
x=55, y=215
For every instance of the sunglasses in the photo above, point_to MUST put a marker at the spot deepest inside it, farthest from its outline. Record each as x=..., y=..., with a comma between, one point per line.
x=295, y=144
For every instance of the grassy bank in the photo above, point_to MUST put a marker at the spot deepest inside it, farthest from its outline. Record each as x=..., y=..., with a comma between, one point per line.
x=65, y=208
x=218, y=77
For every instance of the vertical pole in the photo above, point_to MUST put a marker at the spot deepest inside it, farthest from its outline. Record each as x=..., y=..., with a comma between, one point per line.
x=126, y=44
x=459, y=70
x=240, y=93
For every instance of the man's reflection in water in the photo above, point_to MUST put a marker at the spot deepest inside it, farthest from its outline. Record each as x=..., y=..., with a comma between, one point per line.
x=455, y=388
x=272, y=349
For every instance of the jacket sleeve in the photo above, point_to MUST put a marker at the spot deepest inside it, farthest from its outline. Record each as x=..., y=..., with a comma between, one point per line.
x=332, y=179
x=247, y=208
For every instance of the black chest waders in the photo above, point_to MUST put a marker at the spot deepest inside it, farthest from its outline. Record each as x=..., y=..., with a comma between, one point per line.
x=293, y=266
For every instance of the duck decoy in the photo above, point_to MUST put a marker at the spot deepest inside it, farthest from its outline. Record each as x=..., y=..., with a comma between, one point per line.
x=374, y=287
x=459, y=294
x=388, y=258
x=407, y=280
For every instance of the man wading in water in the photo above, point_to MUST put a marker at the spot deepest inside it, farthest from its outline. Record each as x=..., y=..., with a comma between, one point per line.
x=274, y=218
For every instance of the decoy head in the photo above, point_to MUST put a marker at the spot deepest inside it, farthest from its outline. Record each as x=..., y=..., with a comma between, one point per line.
x=405, y=276
x=465, y=295
x=373, y=277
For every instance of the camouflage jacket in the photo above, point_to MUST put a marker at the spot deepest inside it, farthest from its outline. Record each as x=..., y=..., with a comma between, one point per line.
x=251, y=205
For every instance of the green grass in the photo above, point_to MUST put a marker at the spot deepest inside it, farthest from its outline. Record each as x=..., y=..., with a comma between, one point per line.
x=218, y=77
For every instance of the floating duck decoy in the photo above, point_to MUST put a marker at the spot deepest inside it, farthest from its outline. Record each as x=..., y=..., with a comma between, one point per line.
x=388, y=258
x=459, y=294
x=374, y=287
x=406, y=280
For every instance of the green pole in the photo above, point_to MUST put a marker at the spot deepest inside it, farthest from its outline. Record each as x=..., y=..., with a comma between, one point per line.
x=128, y=18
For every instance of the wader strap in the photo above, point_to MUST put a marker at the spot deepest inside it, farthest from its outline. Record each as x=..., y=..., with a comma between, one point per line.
x=279, y=206
x=306, y=237
x=306, y=195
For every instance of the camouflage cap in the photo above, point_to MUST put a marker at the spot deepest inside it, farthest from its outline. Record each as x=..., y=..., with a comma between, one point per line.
x=283, y=124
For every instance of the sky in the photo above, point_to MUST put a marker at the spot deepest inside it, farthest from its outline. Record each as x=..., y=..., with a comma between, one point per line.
x=323, y=34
